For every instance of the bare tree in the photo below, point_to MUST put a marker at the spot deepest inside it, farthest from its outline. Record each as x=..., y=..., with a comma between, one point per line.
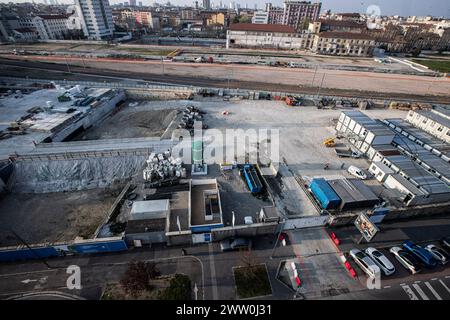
x=137, y=277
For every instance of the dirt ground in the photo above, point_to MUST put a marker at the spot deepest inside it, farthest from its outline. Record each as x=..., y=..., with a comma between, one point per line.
x=133, y=121
x=53, y=217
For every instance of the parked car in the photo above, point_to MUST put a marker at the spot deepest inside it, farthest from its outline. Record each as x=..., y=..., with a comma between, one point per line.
x=235, y=244
x=438, y=253
x=446, y=243
x=357, y=172
x=366, y=264
x=424, y=255
x=406, y=259
x=381, y=261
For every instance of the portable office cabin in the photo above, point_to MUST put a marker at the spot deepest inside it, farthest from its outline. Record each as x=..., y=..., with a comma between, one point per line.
x=324, y=194
x=380, y=170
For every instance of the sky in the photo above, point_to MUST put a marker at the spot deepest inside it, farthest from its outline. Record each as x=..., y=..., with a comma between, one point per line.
x=388, y=7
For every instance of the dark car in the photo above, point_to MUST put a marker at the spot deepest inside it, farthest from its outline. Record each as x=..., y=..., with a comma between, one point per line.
x=424, y=255
x=235, y=244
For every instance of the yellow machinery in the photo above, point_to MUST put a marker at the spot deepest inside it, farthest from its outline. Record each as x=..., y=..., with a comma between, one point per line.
x=329, y=143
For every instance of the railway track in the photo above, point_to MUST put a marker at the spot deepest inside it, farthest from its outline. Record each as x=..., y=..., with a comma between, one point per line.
x=18, y=68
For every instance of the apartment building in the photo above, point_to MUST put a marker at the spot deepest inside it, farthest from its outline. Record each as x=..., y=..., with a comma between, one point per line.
x=51, y=27
x=96, y=18
x=260, y=17
x=248, y=35
x=298, y=14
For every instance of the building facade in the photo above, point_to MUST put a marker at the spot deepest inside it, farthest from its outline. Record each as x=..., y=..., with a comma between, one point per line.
x=260, y=17
x=96, y=18
x=248, y=35
x=298, y=14
x=343, y=44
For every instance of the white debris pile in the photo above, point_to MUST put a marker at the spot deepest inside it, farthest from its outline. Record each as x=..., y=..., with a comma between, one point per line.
x=163, y=166
x=70, y=175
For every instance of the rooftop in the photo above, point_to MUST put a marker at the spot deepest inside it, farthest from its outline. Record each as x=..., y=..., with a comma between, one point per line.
x=345, y=35
x=200, y=206
x=262, y=27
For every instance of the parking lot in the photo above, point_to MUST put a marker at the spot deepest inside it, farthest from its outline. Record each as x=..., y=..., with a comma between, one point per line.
x=432, y=284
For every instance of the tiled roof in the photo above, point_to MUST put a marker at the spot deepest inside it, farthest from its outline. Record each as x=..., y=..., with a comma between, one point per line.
x=262, y=27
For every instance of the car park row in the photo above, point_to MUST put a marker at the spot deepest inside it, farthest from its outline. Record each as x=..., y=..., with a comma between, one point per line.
x=410, y=255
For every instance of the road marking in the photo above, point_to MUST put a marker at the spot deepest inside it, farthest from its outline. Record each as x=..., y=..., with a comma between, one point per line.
x=403, y=284
x=420, y=291
x=446, y=277
x=410, y=293
x=445, y=286
x=433, y=291
x=213, y=272
x=434, y=279
x=418, y=281
x=386, y=287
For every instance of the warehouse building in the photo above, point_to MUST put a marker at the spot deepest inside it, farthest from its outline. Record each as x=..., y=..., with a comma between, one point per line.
x=436, y=122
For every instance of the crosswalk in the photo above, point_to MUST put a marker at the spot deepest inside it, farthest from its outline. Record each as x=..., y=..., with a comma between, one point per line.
x=435, y=289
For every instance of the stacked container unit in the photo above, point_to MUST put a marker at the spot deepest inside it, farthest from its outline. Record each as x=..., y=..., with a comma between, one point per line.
x=363, y=131
x=435, y=190
x=434, y=164
x=435, y=122
x=324, y=194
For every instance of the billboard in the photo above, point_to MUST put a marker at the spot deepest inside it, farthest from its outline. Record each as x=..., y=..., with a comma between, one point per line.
x=367, y=228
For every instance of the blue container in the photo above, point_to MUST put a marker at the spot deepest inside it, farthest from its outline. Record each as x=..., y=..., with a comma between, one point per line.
x=252, y=179
x=323, y=192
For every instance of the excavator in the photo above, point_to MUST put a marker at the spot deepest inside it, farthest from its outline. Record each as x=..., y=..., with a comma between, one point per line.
x=329, y=143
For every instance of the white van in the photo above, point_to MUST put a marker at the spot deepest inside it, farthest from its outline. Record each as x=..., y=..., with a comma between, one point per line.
x=357, y=172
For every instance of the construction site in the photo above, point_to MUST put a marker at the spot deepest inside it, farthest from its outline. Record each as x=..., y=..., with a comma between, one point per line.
x=89, y=164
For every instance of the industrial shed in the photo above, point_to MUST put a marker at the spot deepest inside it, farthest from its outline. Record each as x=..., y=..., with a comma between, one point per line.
x=353, y=193
x=324, y=194
x=147, y=222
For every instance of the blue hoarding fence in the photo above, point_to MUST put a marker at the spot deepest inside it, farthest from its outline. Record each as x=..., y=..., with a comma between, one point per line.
x=80, y=247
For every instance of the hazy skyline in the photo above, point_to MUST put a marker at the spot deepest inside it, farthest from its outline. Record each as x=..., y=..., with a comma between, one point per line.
x=388, y=7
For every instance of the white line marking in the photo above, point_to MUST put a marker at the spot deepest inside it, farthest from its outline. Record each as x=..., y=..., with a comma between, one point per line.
x=433, y=291
x=386, y=287
x=403, y=284
x=446, y=277
x=445, y=286
x=410, y=293
x=434, y=279
x=420, y=291
x=418, y=281
x=213, y=272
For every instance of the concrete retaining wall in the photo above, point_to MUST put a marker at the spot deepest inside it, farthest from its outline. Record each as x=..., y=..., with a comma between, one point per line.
x=167, y=94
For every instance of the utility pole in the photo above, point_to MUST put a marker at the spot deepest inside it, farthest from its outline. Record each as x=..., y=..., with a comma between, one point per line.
x=278, y=239
x=67, y=63
x=314, y=78
x=321, y=83
x=29, y=248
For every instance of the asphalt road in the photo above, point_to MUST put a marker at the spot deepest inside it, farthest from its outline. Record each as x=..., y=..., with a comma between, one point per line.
x=206, y=265
x=13, y=66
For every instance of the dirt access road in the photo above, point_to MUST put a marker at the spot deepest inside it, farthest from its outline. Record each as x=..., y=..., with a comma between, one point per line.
x=388, y=84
